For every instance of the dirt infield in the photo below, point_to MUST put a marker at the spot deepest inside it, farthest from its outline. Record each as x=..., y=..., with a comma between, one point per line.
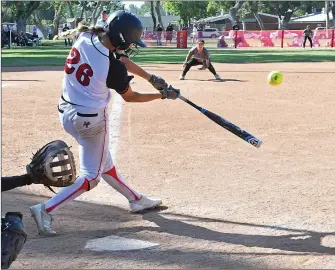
x=228, y=204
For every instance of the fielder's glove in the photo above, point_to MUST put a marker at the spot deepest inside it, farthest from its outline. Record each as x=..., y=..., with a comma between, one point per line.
x=53, y=165
x=205, y=64
x=157, y=82
x=169, y=92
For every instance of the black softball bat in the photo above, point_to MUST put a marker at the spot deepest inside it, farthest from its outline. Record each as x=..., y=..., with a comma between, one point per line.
x=244, y=135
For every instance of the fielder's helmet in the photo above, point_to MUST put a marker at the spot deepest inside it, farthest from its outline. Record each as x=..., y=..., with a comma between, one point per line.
x=124, y=29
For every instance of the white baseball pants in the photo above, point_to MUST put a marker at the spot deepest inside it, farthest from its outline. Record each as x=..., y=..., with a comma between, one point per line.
x=89, y=127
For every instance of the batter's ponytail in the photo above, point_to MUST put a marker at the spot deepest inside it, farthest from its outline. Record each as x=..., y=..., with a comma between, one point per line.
x=90, y=29
x=73, y=33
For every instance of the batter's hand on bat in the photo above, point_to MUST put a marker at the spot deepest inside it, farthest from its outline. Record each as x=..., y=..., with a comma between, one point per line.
x=169, y=92
x=157, y=82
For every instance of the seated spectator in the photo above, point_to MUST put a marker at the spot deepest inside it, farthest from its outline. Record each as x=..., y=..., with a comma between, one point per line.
x=221, y=42
x=35, y=39
x=22, y=39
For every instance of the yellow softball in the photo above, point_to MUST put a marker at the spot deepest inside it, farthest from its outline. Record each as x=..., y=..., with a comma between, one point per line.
x=275, y=78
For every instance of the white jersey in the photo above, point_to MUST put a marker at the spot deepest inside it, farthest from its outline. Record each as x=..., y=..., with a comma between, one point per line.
x=90, y=71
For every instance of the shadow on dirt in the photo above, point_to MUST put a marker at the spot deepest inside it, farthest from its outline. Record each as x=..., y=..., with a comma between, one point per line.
x=23, y=80
x=77, y=222
x=290, y=242
x=218, y=81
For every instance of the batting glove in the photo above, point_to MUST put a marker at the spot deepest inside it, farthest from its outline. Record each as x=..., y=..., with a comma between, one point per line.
x=157, y=82
x=169, y=92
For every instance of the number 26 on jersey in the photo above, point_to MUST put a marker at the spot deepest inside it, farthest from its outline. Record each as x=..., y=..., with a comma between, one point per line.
x=83, y=73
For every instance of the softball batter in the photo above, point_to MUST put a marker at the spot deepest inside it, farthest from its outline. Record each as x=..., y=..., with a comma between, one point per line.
x=198, y=55
x=91, y=70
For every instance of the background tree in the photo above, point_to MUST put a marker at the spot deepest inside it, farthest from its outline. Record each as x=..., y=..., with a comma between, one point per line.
x=145, y=8
x=20, y=11
x=255, y=7
x=58, y=7
x=233, y=11
x=187, y=10
x=133, y=9
x=158, y=12
x=333, y=11
x=152, y=12
x=233, y=8
x=43, y=16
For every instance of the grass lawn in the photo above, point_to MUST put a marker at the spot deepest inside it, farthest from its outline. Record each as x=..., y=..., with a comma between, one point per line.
x=54, y=54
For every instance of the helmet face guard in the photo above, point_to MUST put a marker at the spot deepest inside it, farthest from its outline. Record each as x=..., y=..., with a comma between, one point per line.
x=132, y=51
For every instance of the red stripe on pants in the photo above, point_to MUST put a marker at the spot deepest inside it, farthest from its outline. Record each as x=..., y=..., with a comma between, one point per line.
x=112, y=173
x=86, y=185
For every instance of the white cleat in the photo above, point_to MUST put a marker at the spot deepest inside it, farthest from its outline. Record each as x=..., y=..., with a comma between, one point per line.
x=217, y=76
x=181, y=77
x=43, y=220
x=143, y=204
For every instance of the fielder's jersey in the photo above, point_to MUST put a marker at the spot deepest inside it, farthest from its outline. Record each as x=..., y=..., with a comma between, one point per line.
x=203, y=55
x=90, y=71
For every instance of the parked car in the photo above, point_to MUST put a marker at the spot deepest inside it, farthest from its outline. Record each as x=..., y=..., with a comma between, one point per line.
x=209, y=33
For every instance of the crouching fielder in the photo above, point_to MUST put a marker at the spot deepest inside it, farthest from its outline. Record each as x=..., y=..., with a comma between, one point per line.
x=91, y=70
x=198, y=55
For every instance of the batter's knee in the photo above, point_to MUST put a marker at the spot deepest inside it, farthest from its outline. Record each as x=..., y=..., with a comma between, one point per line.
x=88, y=182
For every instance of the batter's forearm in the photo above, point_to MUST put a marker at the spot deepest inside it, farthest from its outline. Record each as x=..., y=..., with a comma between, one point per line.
x=144, y=97
x=135, y=69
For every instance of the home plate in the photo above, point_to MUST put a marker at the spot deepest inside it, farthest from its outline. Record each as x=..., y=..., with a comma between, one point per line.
x=116, y=243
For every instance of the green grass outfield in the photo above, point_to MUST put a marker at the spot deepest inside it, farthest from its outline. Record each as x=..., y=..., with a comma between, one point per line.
x=54, y=54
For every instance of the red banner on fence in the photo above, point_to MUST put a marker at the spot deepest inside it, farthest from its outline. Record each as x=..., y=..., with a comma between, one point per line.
x=182, y=39
x=243, y=38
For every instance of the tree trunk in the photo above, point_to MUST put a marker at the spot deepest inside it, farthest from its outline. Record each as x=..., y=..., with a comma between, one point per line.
x=38, y=21
x=233, y=11
x=21, y=25
x=86, y=16
x=259, y=20
x=70, y=9
x=158, y=12
x=58, y=13
x=95, y=13
x=152, y=11
x=333, y=12
x=23, y=12
x=82, y=11
x=286, y=19
x=327, y=13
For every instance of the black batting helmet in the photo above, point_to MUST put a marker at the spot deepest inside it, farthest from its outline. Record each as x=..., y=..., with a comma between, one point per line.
x=123, y=29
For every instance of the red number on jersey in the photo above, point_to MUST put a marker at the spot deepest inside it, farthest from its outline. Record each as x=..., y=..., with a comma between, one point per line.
x=73, y=58
x=84, y=72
